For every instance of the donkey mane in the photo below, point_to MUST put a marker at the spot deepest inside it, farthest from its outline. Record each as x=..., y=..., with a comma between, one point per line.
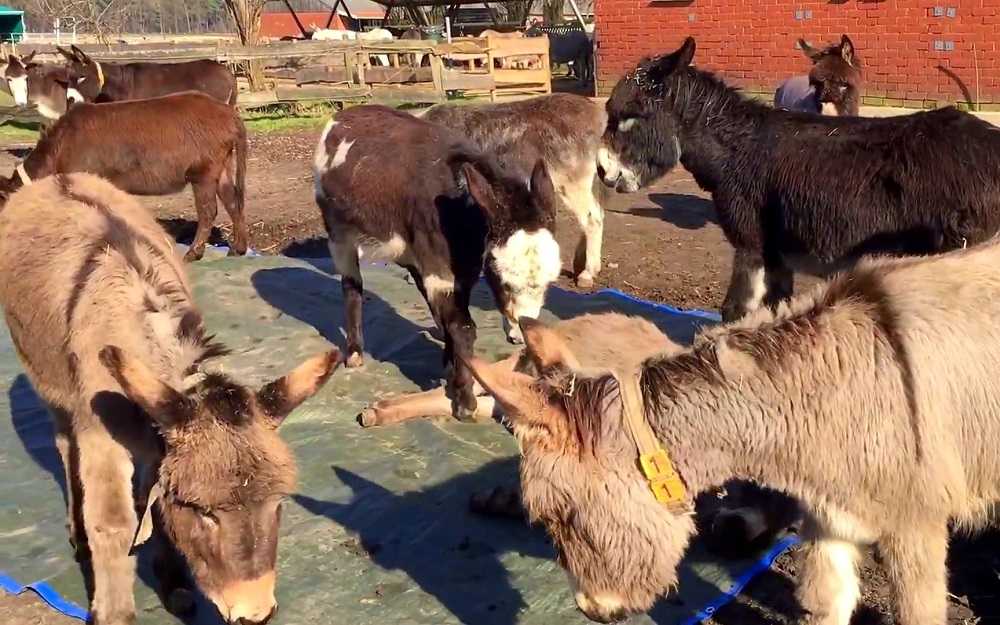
x=696, y=93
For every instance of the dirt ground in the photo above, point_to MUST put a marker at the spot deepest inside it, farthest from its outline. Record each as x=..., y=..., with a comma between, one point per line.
x=662, y=245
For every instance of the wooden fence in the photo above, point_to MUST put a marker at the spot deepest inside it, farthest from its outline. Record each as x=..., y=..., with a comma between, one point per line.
x=351, y=71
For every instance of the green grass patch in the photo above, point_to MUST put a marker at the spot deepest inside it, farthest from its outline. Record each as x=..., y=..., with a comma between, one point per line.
x=18, y=132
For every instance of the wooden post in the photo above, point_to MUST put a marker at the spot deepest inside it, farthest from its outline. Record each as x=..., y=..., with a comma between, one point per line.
x=437, y=73
x=295, y=16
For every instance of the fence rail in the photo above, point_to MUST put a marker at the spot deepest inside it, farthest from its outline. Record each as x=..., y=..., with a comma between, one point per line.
x=352, y=71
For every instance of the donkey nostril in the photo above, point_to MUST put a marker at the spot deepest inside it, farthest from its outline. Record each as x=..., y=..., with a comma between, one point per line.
x=601, y=172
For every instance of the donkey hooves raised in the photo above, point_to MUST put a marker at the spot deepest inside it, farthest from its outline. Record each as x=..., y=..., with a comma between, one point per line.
x=500, y=502
x=355, y=360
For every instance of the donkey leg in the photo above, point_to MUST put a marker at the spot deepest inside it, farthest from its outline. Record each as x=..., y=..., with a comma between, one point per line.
x=916, y=563
x=590, y=214
x=747, y=286
x=205, y=204
x=829, y=588
x=110, y=522
x=779, y=284
x=412, y=406
x=344, y=251
x=227, y=195
x=74, y=496
x=460, y=338
x=170, y=569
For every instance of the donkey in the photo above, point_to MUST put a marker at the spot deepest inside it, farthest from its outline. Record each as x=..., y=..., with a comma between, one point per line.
x=803, y=192
x=153, y=147
x=93, y=81
x=427, y=199
x=574, y=47
x=40, y=85
x=100, y=312
x=871, y=400
x=561, y=129
x=596, y=339
x=832, y=87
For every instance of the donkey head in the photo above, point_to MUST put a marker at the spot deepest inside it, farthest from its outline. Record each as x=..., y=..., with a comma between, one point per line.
x=836, y=75
x=86, y=76
x=522, y=256
x=580, y=478
x=641, y=143
x=224, y=473
x=15, y=72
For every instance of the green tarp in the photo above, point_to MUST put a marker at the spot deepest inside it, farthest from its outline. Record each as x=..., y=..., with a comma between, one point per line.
x=379, y=532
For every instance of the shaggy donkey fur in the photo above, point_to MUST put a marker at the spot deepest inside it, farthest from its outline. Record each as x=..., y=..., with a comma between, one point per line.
x=872, y=400
x=832, y=87
x=802, y=192
x=100, y=312
x=564, y=130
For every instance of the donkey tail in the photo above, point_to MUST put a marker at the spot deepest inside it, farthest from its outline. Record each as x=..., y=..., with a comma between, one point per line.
x=240, y=151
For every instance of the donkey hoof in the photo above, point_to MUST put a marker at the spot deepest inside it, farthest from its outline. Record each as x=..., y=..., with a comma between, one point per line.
x=464, y=413
x=192, y=255
x=355, y=360
x=585, y=281
x=369, y=417
x=180, y=602
x=232, y=252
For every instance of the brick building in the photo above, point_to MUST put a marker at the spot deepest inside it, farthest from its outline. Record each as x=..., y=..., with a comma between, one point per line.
x=914, y=52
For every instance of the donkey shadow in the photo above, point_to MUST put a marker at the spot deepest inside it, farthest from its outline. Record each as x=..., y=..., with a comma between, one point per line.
x=431, y=536
x=36, y=433
x=686, y=211
x=316, y=299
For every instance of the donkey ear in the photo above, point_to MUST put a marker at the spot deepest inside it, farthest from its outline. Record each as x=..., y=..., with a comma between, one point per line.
x=80, y=54
x=545, y=347
x=70, y=56
x=165, y=405
x=279, y=398
x=666, y=65
x=810, y=52
x=479, y=187
x=29, y=58
x=847, y=49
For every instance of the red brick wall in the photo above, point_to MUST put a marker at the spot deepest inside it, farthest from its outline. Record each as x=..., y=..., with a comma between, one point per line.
x=752, y=43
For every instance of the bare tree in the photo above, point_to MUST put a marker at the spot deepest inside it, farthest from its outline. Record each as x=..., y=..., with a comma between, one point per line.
x=246, y=14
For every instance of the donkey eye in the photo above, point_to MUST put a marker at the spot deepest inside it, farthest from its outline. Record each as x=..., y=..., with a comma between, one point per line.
x=208, y=516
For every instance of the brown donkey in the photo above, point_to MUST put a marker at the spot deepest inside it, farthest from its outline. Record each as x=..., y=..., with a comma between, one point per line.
x=872, y=400
x=100, y=312
x=153, y=147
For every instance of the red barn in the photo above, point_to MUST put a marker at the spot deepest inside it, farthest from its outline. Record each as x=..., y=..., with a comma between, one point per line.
x=914, y=52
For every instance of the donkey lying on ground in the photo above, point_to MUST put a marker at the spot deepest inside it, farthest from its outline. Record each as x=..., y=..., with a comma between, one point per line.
x=832, y=86
x=153, y=147
x=563, y=130
x=796, y=191
x=92, y=81
x=746, y=520
x=40, y=85
x=427, y=199
x=101, y=315
x=872, y=400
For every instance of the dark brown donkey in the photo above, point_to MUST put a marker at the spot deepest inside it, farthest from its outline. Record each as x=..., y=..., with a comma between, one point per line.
x=832, y=87
x=153, y=147
x=93, y=81
x=101, y=314
x=422, y=196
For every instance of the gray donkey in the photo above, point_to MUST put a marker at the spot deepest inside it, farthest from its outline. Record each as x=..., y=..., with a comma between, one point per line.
x=562, y=129
x=100, y=312
x=873, y=400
